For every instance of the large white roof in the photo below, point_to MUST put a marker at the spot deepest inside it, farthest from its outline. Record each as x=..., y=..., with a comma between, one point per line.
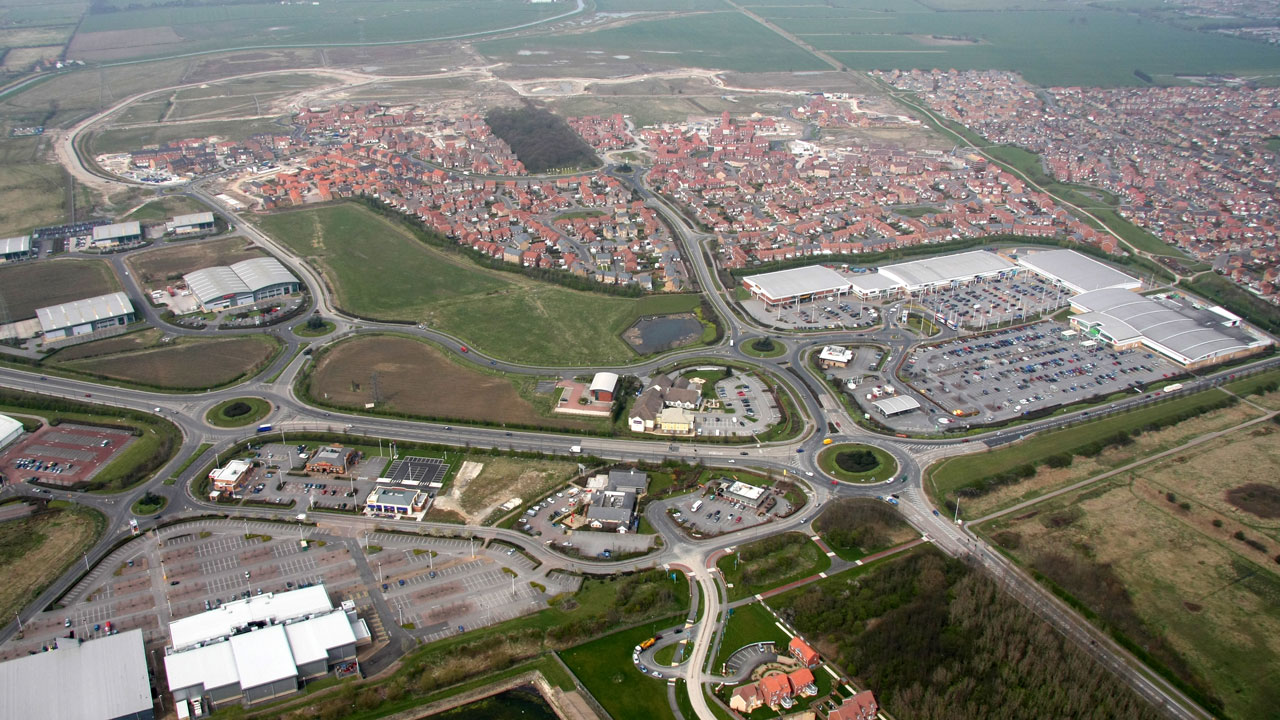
x=118, y=230
x=896, y=404
x=192, y=219
x=1078, y=272
x=212, y=666
x=20, y=244
x=263, y=656
x=7, y=426
x=312, y=639
x=1128, y=317
x=259, y=273
x=81, y=312
x=810, y=280
x=96, y=680
x=244, y=277
x=873, y=282
x=946, y=269
x=605, y=381
x=272, y=607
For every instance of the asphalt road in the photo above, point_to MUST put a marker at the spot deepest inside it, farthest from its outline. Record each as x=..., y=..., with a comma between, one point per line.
x=796, y=457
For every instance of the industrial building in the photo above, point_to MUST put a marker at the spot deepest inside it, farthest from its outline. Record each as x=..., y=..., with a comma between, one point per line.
x=1077, y=272
x=1190, y=335
x=248, y=281
x=117, y=234
x=260, y=648
x=102, y=679
x=10, y=430
x=947, y=270
x=187, y=224
x=15, y=248
x=797, y=285
x=85, y=316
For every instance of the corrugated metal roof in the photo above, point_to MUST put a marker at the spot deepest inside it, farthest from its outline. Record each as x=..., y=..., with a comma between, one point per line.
x=1078, y=272
x=810, y=280
x=260, y=273
x=1129, y=317
x=80, y=312
x=214, y=283
x=605, y=381
x=947, y=268
x=118, y=230
x=192, y=219
x=897, y=404
x=21, y=244
x=96, y=680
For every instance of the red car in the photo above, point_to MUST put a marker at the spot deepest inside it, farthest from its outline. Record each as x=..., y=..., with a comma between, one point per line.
x=464, y=348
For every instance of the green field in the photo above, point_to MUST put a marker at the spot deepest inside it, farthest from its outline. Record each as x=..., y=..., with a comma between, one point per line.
x=379, y=271
x=769, y=563
x=1049, y=46
x=127, y=140
x=748, y=624
x=604, y=667
x=166, y=207
x=26, y=287
x=233, y=413
x=723, y=40
x=31, y=196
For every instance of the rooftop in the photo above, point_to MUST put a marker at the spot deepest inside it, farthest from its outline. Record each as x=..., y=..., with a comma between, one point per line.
x=19, y=244
x=246, y=276
x=272, y=607
x=1078, y=272
x=1172, y=328
x=947, y=268
x=118, y=230
x=201, y=218
x=96, y=680
x=897, y=404
x=81, y=312
x=809, y=280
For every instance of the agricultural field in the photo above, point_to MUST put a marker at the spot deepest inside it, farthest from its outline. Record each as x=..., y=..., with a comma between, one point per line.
x=1176, y=555
x=159, y=31
x=166, y=207
x=1049, y=46
x=35, y=550
x=187, y=364
x=379, y=271
x=718, y=40
x=171, y=263
x=406, y=376
x=24, y=287
x=31, y=195
x=983, y=480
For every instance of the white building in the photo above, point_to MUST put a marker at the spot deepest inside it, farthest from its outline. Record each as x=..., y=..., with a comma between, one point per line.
x=797, y=285
x=397, y=501
x=102, y=679
x=835, y=356
x=248, y=281
x=947, y=270
x=10, y=430
x=898, y=405
x=192, y=223
x=85, y=316
x=260, y=648
x=1077, y=272
x=15, y=248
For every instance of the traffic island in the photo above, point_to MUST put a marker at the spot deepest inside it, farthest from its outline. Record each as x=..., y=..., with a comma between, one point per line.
x=149, y=504
x=763, y=347
x=238, y=412
x=857, y=463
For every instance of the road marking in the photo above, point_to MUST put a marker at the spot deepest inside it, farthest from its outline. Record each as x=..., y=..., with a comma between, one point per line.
x=815, y=538
x=857, y=563
x=830, y=554
x=822, y=575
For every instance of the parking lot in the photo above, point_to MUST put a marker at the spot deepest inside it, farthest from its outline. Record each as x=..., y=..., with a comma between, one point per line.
x=1003, y=374
x=989, y=302
x=718, y=514
x=340, y=492
x=846, y=312
x=433, y=585
x=746, y=408
x=62, y=456
x=544, y=525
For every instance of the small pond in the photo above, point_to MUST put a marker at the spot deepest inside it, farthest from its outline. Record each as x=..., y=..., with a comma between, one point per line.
x=663, y=332
x=522, y=703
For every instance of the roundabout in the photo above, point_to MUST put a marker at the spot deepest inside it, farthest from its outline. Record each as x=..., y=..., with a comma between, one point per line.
x=857, y=463
x=763, y=347
x=237, y=412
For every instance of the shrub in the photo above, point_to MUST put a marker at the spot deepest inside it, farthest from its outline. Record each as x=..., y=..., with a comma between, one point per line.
x=1217, y=523
x=858, y=461
x=1171, y=497
x=1239, y=535
x=1185, y=505
x=1061, y=460
x=236, y=409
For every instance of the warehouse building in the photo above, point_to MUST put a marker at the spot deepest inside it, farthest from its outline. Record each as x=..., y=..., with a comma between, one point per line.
x=260, y=648
x=797, y=285
x=248, y=281
x=15, y=248
x=187, y=224
x=85, y=316
x=1077, y=272
x=102, y=679
x=1190, y=335
x=948, y=270
x=10, y=430
x=117, y=234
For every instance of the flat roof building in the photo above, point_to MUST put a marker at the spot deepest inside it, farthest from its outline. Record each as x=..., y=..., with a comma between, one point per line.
x=1077, y=272
x=81, y=317
x=248, y=281
x=10, y=430
x=231, y=477
x=835, y=356
x=192, y=223
x=15, y=248
x=332, y=459
x=797, y=284
x=124, y=232
x=260, y=648
x=397, y=501
x=874, y=285
x=1192, y=337
x=102, y=679
x=947, y=270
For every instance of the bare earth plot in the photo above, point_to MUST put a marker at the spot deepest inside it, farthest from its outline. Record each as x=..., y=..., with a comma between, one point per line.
x=417, y=379
x=171, y=263
x=24, y=287
x=500, y=479
x=1157, y=554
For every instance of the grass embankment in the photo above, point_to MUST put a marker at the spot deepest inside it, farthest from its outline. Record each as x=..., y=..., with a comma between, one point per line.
x=976, y=475
x=747, y=625
x=379, y=270
x=36, y=550
x=200, y=450
x=856, y=463
x=238, y=412
x=771, y=562
x=857, y=527
x=1174, y=558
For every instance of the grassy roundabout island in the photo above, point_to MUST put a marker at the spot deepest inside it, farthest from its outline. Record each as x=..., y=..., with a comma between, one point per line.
x=149, y=504
x=855, y=463
x=314, y=327
x=238, y=412
x=763, y=347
